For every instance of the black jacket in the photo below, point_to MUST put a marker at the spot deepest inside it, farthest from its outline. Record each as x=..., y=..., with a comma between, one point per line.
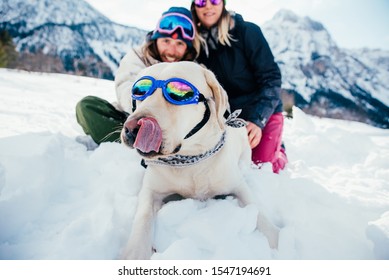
x=247, y=71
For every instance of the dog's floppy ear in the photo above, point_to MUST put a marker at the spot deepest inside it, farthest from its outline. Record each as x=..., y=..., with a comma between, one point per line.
x=219, y=95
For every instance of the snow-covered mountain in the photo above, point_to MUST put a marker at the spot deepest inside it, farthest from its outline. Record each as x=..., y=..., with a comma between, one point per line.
x=325, y=79
x=66, y=36
x=319, y=77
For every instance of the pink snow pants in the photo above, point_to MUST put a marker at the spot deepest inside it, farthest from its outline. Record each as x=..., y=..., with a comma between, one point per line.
x=269, y=148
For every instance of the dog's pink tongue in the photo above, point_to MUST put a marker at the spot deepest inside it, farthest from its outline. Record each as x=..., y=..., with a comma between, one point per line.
x=149, y=137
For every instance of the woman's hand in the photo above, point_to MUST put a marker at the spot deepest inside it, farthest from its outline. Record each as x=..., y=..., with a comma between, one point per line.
x=254, y=133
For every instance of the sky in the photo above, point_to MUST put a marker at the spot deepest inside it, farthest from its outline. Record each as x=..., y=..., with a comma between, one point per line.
x=63, y=198
x=352, y=23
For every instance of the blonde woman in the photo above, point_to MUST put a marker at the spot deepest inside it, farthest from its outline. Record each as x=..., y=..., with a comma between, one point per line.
x=239, y=55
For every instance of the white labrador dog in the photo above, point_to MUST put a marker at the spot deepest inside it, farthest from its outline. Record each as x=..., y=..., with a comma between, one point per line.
x=179, y=130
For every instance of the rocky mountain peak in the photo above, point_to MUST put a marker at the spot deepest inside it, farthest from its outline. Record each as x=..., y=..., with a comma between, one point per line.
x=288, y=17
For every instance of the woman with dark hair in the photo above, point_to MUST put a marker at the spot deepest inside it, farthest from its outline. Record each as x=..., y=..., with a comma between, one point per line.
x=239, y=55
x=173, y=39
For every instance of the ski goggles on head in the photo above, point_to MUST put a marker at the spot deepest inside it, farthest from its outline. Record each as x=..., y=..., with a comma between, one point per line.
x=175, y=90
x=203, y=3
x=170, y=22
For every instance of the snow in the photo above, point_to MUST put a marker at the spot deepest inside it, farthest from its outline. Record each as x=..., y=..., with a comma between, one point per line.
x=61, y=200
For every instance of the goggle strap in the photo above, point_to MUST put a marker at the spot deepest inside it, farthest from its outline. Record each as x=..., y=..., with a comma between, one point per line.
x=133, y=105
x=205, y=119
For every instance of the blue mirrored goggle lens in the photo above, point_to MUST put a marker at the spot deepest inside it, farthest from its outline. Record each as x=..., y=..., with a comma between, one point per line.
x=141, y=88
x=180, y=91
x=171, y=23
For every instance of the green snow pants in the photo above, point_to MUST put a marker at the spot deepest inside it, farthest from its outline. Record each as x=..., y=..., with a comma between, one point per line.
x=99, y=119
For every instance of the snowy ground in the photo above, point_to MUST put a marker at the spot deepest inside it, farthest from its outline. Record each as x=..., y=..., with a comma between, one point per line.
x=59, y=200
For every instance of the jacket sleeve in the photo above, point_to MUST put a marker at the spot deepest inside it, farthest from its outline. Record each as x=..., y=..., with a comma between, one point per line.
x=267, y=74
x=125, y=76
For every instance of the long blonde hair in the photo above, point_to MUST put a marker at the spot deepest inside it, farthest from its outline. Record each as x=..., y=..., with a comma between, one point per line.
x=224, y=24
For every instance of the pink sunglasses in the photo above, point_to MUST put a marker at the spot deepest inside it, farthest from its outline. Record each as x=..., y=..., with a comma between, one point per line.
x=203, y=3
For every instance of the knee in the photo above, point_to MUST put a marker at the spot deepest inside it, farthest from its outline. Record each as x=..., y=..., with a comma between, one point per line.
x=86, y=104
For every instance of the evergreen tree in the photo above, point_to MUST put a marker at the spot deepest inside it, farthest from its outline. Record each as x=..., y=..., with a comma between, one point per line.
x=8, y=54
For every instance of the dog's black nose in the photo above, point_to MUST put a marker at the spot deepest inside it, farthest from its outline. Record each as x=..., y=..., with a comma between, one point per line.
x=127, y=133
x=130, y=131
x=130, y=134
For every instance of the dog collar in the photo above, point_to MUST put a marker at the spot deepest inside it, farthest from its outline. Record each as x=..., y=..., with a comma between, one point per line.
x=183, y=160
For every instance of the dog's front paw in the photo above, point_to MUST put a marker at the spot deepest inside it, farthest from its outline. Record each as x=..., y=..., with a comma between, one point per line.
x=271, y=232
x=136, y=254
x=137, y=249
x=272, y=235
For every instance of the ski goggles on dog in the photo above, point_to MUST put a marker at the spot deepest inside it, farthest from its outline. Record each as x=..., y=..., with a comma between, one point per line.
x=170, y=22
x=203, y=3
x=175, y=90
